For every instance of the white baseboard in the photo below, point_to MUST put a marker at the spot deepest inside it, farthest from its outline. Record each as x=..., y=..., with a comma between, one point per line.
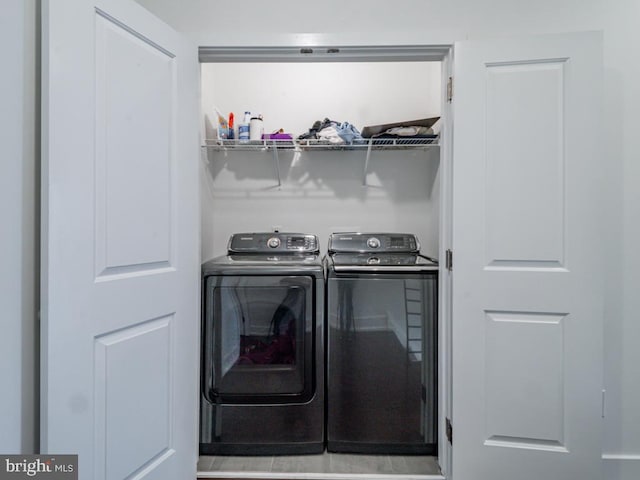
x=621, y=466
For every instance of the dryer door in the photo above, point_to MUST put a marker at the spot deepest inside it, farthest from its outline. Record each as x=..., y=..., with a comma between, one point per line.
x=258, y=339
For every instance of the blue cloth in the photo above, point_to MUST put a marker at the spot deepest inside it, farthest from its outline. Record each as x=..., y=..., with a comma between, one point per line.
x=348, y=132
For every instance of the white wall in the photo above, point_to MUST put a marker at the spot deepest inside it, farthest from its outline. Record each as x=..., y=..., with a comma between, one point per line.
x=622, y=172
x=321, y=192
x=294, y=95
x=362, y=22
x=443, y=21
x=18, y=242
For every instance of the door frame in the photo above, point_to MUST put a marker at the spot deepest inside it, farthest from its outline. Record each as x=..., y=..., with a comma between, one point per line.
x=387, y=53
x=445, y=290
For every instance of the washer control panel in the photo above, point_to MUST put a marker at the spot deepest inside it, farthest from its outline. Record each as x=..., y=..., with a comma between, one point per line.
x=373, y=242
x=269, y=242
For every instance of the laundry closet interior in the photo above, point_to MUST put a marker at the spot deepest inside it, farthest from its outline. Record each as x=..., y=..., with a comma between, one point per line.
x=393, y=186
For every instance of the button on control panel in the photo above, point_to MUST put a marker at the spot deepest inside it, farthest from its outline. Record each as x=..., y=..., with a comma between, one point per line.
x=273, y=242
x=373, y=242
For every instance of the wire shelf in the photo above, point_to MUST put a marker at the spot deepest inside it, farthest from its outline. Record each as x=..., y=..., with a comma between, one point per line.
x=313, y=144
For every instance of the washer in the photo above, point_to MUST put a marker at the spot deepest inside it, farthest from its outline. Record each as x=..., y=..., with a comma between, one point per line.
x=262, y=387
x=382, y=345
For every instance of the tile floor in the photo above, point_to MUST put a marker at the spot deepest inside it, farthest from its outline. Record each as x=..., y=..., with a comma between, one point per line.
x=327, y=463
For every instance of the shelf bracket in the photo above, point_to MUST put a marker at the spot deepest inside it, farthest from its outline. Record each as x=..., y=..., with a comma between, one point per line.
x=366, y=163
x=276, y=158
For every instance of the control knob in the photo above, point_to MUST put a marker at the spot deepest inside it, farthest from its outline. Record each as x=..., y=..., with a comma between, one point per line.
x=373, y=242
x=273, y=242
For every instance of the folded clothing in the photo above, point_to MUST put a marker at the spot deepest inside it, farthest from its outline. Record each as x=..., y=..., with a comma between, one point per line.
x=408, y=131
x=381, y=130
x=348, y=133
x=277, y=136
x=330, y=134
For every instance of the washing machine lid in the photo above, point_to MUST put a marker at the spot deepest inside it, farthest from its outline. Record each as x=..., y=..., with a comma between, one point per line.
x=382, y=262
x=263, y=264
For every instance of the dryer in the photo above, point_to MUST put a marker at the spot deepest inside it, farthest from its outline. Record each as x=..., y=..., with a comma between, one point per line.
x=262, y=389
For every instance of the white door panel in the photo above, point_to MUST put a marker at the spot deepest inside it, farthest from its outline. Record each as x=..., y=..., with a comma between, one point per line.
x=529, y=229
x=120, y=276
x=527, y=294
x=135, y=85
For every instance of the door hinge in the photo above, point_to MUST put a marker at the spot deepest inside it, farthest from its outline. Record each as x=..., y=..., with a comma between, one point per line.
x=449, y=431
x=449, y=260
x=450, y=89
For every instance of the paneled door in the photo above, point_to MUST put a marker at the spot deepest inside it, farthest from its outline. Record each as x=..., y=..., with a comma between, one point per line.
x=120, y=242
x=527, y=283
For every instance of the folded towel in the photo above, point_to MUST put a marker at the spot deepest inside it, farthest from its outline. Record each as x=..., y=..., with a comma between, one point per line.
x=411, y=131
x=330, y=134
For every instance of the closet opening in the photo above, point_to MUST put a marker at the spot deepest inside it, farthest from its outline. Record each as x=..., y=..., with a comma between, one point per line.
x=295, y=180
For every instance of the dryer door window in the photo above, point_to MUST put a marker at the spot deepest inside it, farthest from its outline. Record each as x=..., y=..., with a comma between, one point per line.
x=258, y=339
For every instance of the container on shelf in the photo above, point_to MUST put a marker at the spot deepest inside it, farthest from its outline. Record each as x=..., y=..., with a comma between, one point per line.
x=256, y=129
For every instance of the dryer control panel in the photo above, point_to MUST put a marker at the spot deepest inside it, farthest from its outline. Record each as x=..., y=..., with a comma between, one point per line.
x=373, y=242
x=270, y=242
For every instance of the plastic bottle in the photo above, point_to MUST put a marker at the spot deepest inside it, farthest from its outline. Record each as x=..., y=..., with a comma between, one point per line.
x=256, y=128
x=243, y=128
x=223, y=126
x=231, y=131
